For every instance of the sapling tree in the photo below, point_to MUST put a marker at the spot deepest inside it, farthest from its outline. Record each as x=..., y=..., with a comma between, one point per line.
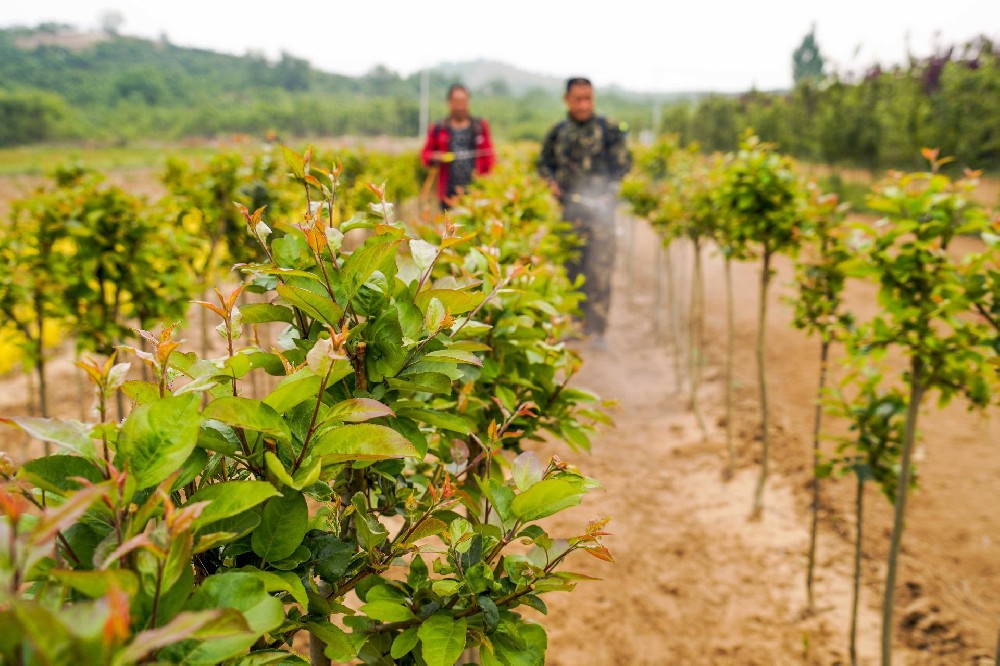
x=926, y=311
x=819, y=309
x=37, y=242
x=875, y=418
x=209, y=526
x=761, y=196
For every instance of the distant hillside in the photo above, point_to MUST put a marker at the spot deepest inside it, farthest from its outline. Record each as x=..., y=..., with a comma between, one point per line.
x=59, y=83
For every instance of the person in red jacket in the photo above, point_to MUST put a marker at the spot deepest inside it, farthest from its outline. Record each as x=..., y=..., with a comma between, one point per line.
x=459, y=147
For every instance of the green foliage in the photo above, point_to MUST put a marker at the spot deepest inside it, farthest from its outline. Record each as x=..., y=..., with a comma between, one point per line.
x=879, y=118
x=211, y=526
x=30, y=117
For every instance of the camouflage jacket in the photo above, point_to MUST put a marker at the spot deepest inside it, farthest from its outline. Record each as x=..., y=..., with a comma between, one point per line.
x=587, y=157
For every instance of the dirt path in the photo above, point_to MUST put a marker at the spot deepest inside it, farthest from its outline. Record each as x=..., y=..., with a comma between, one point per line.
x=696, y=582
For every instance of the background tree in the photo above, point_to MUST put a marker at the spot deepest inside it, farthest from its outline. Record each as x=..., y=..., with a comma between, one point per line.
x=807, y=61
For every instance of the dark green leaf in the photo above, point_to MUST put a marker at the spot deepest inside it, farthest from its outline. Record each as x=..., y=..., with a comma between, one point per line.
x=283, y=525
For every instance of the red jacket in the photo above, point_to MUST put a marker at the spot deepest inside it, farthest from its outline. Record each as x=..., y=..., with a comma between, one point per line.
x=439, y=140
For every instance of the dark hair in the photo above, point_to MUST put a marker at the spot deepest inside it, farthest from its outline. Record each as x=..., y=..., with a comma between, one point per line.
x=578, y=81
x=454, y=87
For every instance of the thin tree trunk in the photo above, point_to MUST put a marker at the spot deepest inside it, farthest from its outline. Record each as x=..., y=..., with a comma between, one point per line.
x=658, y=292
x=902, y=491
x=730, y=351
x=695, y=345
x=765, y=281
x=859, y=510
x=824, y=354
x=675, y=321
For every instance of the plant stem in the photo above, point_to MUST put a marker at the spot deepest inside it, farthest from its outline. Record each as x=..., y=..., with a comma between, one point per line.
x=730, y=351
x=824, y=354
x=859, y=510
x=675, y=321
x=695, y=326
x=902, y=490
x=765, y=281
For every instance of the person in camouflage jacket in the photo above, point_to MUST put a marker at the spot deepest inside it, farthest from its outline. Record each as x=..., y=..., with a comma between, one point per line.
x=584, y=158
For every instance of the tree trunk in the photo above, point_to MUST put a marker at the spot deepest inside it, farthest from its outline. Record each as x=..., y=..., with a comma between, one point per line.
x=675, y=321
x=899, y=516
x=859, y=510
x=765, y=281
x=658, y=292
x=824, y=354
x=730, y=351
x=695, y=342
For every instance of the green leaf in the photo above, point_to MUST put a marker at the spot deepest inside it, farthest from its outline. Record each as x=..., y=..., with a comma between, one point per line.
x=526, y=470
x=387, y=611
x=357, y=410
x=262, y=313
x=371, y=533
x=425, y=382
x=425, y=528
x=434, y=317
x=455, y=356
x=243, y=592
x=95, y=584
x=70, y=434
x=156, y=439
x=304, y=476
x=317, y=306
x=56, y=474
x=228, y=499
x=442, y=639
x=280, y=581
x=141, y=392
x=294, y=390
x=423, y=253
x=437, y=419
x=365, y=261
x=454, y=301
x=364, y=441
x=404, y=643
x=214, y=624
x=546, y=498
x=491, y=614
x=339, y=646
x=283, y=525
x=248, y=414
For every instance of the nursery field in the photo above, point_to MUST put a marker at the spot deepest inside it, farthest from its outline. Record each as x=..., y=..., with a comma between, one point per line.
x=696, y=579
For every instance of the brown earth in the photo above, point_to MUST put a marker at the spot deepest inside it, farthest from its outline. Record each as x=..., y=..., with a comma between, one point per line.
x=696, y=582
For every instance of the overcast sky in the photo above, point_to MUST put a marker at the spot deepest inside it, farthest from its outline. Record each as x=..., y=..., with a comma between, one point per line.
x=724, y=45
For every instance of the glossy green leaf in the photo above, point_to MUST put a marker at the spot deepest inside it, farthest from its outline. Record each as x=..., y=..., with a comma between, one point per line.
x=262, y=313
x=365, y=441
x=317, y=306
x=283, y=525
x=248, y=414
x=157, y=438
x=57, y=474
x=228, y=499
x=442, y=639
x=69, y=434
x=546, y=498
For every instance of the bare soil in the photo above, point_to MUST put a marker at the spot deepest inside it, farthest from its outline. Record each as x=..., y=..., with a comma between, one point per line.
x=695, y=581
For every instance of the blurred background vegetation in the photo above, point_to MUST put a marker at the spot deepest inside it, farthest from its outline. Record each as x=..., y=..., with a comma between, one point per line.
x=103, y=88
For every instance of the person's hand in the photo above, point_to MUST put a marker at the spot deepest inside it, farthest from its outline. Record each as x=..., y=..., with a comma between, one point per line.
x=556, y=191
x=442, y=157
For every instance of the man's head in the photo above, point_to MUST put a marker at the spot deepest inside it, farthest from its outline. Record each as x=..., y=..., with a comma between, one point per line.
x=579, y=99
x=458, y=102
